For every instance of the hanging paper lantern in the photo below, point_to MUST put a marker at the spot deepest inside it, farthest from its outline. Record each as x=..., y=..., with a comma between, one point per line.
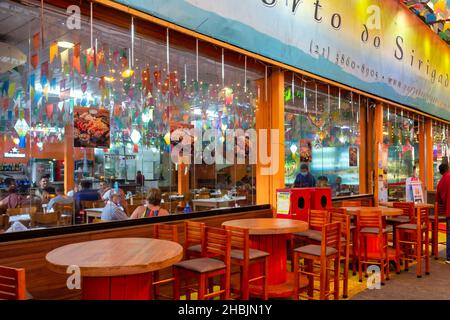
x=167, y=138
x=22, y=128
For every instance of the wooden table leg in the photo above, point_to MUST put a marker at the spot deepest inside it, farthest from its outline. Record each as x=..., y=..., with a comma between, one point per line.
x=131, y=287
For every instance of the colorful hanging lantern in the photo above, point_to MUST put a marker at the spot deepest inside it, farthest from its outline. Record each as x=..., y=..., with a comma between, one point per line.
x=22, y=128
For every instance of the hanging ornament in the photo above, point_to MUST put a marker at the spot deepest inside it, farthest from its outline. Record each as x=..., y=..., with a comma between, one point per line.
x=36, y=41
x=65, y=61
x=76, y=58
x=53, y=51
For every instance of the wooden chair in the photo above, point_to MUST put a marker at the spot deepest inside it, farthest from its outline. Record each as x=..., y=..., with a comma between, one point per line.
x=437, y=217
x=369, y=224
x=18, y=211
x=193, y=239
x=408, y=213
x=67, y=212
x=46, y=219
x=97, y=220
x=351, y=203
x=328, y=251
x=218, y=245
x=163, y=232
x=316, y=220
x=4, y=221
x=411, y=239
x=344, y=219
x=131, y=207
x=242, y=255
x=12, y=284
x=91, y=204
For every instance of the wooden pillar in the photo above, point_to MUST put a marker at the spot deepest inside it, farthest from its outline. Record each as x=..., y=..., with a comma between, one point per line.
x=422, y=152
x=363, y=159
x=270, y=115
x=183, y=179
x=69, y=161
x=428, y=180
x=378, y=135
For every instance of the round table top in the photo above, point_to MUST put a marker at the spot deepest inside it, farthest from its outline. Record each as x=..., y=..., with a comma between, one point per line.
x=390, y=204
x=384, y=211
x=115, y=257
x=268, y=226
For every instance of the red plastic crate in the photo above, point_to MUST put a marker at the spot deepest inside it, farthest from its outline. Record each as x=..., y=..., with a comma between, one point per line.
x=321, y=199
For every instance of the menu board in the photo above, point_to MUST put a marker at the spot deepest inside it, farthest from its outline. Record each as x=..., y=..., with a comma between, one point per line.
x=283, y=202
x=91, y=128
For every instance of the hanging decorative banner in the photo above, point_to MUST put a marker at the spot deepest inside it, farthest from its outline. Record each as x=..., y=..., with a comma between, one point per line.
x=91, y=128
x=45, y=91
x=65, y=61
x=44, y=73
x=32, y=80
x=5, y=103
x=11, y=89
x=53, y=51
x=145, y=78
x=36, y=41
x=61, y=106
x=100, y=58
x=88, y=60
x=64, y=94
x=53, y=83
x=76, y=58
x=34, y=61
x=37, y=96
x=5, y=87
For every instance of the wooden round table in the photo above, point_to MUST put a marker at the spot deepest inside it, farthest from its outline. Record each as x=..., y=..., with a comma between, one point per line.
x=270, y=235
x=116, y=269
x=384, y=211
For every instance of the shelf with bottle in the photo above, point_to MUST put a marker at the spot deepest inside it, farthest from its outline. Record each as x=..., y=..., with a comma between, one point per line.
x=12, y=167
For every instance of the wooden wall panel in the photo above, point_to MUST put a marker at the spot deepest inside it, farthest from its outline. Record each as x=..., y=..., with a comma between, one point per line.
x=44, y=284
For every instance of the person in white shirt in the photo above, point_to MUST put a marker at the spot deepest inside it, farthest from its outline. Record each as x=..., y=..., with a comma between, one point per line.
x=59, y=199
x=113, y=211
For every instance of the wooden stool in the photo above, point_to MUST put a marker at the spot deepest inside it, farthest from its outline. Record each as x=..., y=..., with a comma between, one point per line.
x=163, y=232
x=217, y=244
x=344, y=219
x=370, y=224
x=435, y=219
x=242, y=255
x=328, y=251
x=194, y=234
x=411, y=239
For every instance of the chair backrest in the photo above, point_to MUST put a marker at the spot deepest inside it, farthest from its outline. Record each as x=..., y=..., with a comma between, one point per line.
x=194, y=233
x=351, y=203
x=166, y=232
x=18, y=211
x=421, y=217
x=51, y=218
x=4, y=221
x=337, y=210
x=407, y=207
x=12, y=283
x=217, y=244
x=317, y=219
x=331, y=237
x=97, y=220
x=131, y=207
x=90, y=204
x=370, y=218
x=344, y=219
x=64, y=208
x=240, y=240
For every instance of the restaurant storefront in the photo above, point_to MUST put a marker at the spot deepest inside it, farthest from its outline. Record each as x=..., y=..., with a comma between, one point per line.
x=100, y=98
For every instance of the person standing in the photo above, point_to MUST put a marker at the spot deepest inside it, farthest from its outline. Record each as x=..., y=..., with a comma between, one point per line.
x=140, y=179
x=304, y=179
x=443, y=197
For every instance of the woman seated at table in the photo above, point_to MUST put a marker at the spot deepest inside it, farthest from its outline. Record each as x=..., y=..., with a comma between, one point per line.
x=113, y=211
x=152, y=207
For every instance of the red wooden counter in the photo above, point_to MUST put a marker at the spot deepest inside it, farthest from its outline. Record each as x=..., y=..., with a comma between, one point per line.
x=271, y=235
x=116, y=269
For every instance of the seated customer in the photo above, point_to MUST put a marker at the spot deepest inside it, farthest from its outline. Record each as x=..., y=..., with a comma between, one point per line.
x=112, y=210
x=12, y=199
x=108, y=190
x=86, y=194
x=104, y=190
x=152, y=207
x=59, y=199
x=44, y=189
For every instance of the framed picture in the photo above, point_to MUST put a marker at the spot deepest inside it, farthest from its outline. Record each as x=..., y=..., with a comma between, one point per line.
x=353, y=157
x=91, y=128
x=305, y=151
